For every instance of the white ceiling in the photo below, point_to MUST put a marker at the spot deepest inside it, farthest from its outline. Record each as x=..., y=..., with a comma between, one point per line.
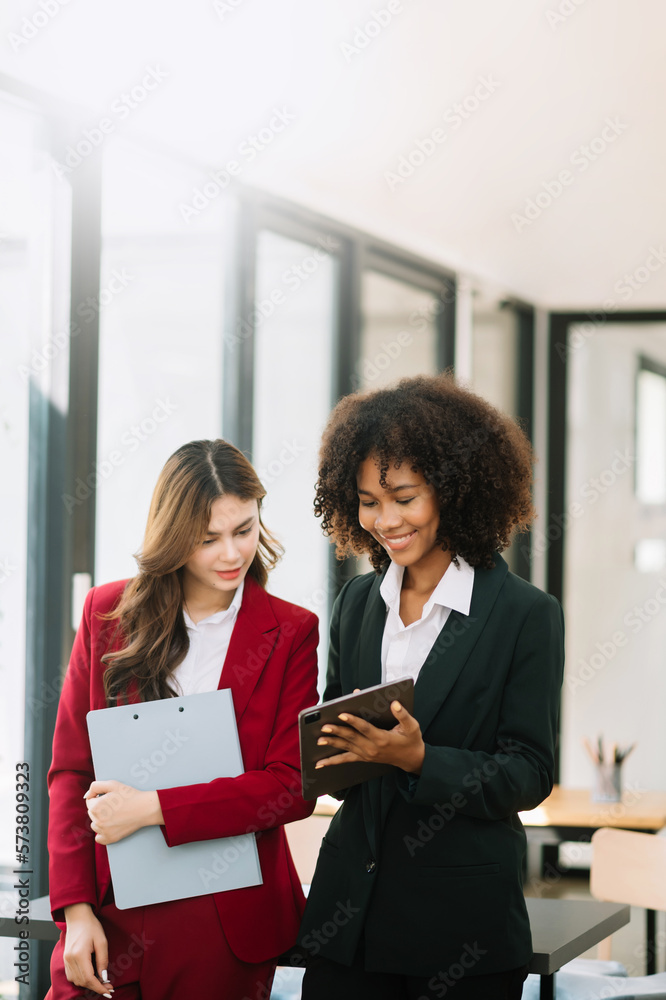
x=558, y=78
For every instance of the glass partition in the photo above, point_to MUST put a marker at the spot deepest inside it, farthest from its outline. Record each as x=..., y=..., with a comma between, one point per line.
x=614, y=587
x=651, y=433
x=34, y=336
x=160, y=364
x=296, y=283
x=398, y=332
x=495, y=354
x=495, y=375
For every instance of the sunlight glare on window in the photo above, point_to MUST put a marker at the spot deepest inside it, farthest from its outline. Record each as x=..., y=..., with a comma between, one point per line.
x=651, y=438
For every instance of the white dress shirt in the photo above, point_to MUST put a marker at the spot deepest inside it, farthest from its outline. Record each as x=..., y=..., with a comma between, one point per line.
x=209, y=641
x=405, y=647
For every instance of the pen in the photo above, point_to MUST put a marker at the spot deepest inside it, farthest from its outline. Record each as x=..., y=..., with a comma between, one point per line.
x=588, y=746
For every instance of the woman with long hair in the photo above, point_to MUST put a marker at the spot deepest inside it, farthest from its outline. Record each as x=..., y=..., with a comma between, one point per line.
x=195, y=618
x=418, y=887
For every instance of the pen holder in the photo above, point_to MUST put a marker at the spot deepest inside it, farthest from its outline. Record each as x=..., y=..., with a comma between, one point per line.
x=607, y=785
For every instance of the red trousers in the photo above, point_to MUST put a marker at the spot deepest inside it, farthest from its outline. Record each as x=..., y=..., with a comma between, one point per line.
x=169, y=951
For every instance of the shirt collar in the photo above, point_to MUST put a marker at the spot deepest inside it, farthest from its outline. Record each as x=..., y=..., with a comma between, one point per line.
x=227, y=614
x=453, y=591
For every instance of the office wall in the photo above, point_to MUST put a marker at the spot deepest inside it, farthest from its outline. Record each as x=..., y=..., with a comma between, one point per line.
x=615, y=680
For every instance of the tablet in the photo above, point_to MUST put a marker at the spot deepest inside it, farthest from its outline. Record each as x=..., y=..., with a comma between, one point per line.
x=372, y=704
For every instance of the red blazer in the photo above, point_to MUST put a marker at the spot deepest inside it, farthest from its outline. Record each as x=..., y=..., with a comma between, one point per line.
x=271, y=668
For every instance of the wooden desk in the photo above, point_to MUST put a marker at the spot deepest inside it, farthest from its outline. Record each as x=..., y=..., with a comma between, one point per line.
x=569, y=814
x=572, y=808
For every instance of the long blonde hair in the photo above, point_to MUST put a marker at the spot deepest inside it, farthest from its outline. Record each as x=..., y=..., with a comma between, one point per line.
x=150, y=623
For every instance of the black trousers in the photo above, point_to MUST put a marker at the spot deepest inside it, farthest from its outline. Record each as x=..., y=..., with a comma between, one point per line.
x=326, y=980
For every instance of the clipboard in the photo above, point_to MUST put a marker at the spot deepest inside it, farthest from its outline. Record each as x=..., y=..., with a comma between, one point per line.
x=167, y=744
x=372, y=704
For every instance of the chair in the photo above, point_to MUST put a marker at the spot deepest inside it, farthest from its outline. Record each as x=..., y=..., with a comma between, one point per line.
x=626, y=868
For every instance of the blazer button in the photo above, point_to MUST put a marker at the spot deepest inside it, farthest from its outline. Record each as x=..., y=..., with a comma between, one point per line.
x=370, y=866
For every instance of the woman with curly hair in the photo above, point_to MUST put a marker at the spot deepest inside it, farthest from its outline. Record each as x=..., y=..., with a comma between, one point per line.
x=418, y=886
x=194, y=619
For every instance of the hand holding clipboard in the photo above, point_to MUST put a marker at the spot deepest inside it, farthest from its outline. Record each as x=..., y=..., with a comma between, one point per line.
x=164, y=744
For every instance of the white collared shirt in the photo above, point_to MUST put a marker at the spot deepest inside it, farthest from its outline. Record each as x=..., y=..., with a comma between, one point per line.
x=405, y=647
x=209, y=641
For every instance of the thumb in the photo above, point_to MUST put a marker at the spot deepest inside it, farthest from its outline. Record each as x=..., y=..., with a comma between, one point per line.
x=401, y=714
x=99, y=788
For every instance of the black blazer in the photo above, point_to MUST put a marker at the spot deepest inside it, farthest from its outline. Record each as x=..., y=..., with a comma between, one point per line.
x=429, y=869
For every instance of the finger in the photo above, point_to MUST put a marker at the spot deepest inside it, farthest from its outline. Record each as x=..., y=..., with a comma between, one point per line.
x=95, y=813
x=360, y=725
x=356, y=691
x=81, y=973
x=339, y=742
x=102, y=989
x=343, y=732
x=103, y=805
x=339, y=758
x=401, y=713
x=101, y=950
x=106, y=805
x=99, y=788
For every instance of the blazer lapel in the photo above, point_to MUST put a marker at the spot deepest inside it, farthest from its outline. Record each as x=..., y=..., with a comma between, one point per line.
x=454, y=644
x=369, y=674
x=372, y=632
x=252, y=641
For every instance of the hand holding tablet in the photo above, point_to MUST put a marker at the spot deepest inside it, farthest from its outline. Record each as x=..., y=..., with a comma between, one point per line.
x=354, y=738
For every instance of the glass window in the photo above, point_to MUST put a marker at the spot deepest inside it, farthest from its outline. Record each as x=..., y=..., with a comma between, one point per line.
x=398, y=334
x=398, y=338
x=160, y=362
x=651, y=437
x=494, y=351
x=292, y=401
x=613, y=559
x=34, y=338
x=495, y=363
x=650, y=555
